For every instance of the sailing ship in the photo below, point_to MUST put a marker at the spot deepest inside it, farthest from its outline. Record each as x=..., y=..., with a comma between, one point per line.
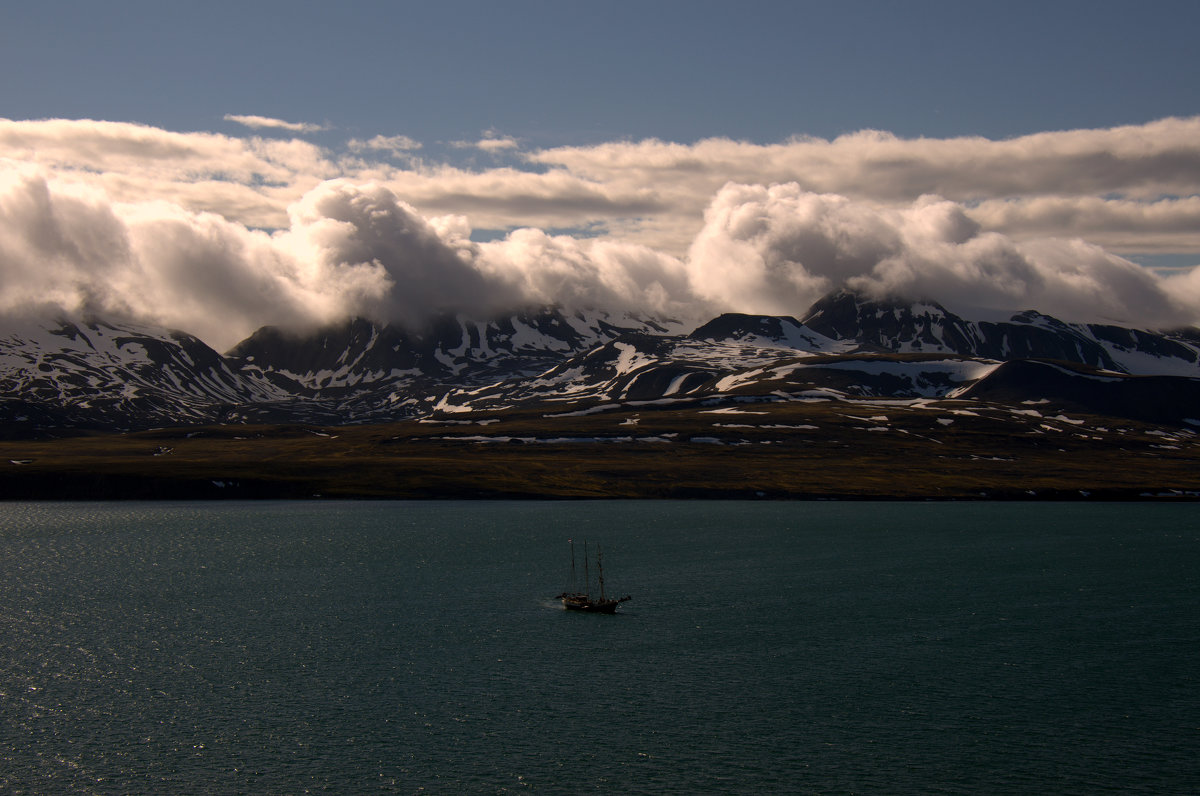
x=576, y=600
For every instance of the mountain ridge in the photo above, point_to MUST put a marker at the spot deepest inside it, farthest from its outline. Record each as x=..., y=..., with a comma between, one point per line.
x=896, y=325
x=65, y=374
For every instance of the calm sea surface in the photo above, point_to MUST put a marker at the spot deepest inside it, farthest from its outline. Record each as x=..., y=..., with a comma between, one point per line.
x=348, y=648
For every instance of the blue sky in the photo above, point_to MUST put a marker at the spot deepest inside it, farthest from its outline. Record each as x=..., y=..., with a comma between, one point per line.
x=218, y=166
x=569, y=73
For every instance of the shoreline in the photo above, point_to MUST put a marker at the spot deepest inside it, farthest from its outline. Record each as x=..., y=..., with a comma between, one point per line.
x=798, y=452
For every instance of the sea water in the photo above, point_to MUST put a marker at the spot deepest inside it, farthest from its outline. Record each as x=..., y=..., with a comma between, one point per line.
x=405, y=647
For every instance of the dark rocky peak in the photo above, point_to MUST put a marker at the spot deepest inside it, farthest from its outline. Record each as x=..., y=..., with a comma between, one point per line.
x=328, y=348
x=846, y=314
x=1035, y=318
x=836, y=315
x=889, y=324
x=737, y=326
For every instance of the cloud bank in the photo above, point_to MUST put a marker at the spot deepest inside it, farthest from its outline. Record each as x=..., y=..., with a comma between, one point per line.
x=219, y=235
x=773, y=249
x=349, y=249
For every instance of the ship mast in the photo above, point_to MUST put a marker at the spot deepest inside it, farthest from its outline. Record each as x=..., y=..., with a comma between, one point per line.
x=600, y=566
x=574, y=579
x=587, y=578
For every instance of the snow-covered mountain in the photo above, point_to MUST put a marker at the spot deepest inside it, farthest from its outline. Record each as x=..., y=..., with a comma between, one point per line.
x=769, y=331
x=71, y=373
x=1037, y=385
x=357, y=355
x=368, y=371
x=92, y=374
x=663, y=370
x=849, y=346
x=897, y=326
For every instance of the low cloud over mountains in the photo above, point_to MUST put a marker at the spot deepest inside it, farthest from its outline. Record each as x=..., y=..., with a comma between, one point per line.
x=220, y=235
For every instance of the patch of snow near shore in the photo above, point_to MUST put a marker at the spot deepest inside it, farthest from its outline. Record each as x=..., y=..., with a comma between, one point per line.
x=730, y=410
x=591, y=410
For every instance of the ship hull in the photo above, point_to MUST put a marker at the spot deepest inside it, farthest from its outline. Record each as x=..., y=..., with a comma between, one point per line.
x=591, y=606
x=582, y=602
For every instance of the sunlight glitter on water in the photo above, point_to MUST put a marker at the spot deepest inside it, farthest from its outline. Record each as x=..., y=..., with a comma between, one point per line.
x=359, y=647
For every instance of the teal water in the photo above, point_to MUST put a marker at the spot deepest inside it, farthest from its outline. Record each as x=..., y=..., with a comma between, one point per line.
x=769, y=648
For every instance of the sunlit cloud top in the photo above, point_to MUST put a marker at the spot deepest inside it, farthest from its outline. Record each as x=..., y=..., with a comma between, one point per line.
x=219, y=234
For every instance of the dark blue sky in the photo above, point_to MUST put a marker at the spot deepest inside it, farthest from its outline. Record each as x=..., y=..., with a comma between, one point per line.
x=556, y=73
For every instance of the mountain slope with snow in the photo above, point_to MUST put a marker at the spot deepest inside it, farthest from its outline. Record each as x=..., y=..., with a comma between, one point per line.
x=361, y=355
x=72, y=374
x=1055, y=387
x=94, y=374
x=897, y=326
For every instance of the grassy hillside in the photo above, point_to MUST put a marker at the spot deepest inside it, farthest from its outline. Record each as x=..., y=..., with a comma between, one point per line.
x=864, y=449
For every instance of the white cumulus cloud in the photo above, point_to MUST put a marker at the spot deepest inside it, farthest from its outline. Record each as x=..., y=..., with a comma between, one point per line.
x=1113, y=169
x=550, y=269
x=777, y=249
x=492, y=141
x=385, y=143
x=259, y=122
x=348, y=250
x=220, y=234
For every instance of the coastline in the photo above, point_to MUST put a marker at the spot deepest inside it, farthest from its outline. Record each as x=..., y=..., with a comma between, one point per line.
x=410, y=461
